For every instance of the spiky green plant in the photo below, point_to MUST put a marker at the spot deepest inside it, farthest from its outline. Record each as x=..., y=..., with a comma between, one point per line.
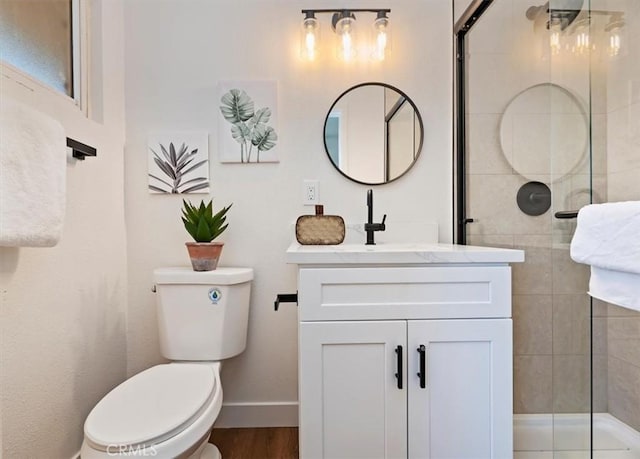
x=201, y=223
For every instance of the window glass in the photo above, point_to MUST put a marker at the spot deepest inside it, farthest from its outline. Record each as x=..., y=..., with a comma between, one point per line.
x=36, y=37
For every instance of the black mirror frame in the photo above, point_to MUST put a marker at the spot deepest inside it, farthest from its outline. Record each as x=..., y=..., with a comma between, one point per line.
x=415, y=110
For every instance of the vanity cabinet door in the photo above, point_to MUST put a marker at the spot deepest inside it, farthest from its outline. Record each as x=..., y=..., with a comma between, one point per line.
x=352, y=405
x=464, y=409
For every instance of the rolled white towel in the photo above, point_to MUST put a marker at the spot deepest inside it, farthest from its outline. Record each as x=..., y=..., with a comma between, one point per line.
x=615, y=287
x=608, y=236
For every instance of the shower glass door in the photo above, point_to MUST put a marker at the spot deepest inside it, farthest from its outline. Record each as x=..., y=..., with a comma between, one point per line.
x=569, y=47
x=528, y=157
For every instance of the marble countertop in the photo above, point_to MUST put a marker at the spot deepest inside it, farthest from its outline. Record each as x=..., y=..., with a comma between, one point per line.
x=399, y=253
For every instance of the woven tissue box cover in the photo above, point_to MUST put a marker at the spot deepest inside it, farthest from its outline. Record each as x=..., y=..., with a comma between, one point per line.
x=320, y=229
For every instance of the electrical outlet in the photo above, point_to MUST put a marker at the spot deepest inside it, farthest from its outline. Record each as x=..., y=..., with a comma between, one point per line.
x=310, y=193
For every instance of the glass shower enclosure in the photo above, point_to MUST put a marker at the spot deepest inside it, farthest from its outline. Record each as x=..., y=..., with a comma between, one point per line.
x=547, y=121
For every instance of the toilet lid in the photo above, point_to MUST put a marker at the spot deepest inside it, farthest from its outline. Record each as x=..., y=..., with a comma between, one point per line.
x=152, y=406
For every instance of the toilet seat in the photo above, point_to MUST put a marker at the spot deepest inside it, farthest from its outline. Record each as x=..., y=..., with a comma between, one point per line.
x=152, y=406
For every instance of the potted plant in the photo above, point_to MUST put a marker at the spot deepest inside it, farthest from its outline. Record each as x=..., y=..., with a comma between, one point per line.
x=204, y=226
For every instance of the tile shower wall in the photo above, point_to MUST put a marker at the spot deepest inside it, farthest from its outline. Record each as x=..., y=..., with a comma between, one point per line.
x=623, y=168
x=550, y=306
x=623, y=365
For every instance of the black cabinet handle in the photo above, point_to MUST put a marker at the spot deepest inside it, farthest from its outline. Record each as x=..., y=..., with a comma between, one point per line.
x=422, y=375
x=399, y=366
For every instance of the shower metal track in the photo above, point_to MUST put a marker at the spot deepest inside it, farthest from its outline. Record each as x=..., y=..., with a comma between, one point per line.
x=460, y=29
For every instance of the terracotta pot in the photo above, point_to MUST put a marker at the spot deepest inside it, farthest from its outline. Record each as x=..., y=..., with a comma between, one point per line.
x=204, y=255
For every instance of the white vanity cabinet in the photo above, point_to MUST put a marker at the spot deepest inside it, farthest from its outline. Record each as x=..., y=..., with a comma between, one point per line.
x=406, y=359
x=350, y=406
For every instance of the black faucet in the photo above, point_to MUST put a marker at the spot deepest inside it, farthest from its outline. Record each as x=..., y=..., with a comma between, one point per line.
x=371, y=227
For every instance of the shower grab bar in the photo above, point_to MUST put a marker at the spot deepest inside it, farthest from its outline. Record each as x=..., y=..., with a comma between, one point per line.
x=566, y=214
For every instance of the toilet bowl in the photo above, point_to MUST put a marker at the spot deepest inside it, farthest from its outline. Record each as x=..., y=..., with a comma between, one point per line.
x=168, y=410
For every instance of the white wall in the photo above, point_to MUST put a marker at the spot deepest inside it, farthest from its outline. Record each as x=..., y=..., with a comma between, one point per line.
x=176, y=52
x=62, y=314
x=459, y=7
x=362, y=129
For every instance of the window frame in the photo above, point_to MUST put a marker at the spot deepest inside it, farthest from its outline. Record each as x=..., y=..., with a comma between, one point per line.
x=79, y=59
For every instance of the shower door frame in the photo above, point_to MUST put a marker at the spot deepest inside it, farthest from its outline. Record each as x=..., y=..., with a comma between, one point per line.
x=460, y=29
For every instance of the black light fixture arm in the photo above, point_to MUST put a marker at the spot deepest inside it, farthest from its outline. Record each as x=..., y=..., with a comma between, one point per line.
x=339, y=13
x=568, y=15
x=350, y=10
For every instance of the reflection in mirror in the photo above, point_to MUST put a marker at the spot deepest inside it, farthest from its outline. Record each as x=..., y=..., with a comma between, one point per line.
x=544, y=132
x=373, y=133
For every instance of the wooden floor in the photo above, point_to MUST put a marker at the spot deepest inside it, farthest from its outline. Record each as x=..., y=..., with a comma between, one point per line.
x=258, y=443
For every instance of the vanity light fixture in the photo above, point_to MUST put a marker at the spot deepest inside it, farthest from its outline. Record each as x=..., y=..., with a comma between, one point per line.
x=310, y=36
x=343, y=23
x=380, y=36
x=582, y=31
x=555, y=36
x=614, y=30
x=583, y=26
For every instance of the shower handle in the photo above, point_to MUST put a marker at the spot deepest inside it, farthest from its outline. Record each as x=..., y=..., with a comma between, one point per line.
x=566, y=214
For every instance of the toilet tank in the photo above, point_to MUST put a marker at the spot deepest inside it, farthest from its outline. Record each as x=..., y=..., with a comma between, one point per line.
x=202, y=315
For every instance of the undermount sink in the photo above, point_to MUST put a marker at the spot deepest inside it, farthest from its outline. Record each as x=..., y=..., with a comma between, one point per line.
x=406, y=253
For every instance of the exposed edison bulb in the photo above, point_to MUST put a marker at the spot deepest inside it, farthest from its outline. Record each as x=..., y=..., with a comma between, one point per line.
x=381, y=34
x=555, y=37
x=310, y=37
x=582, y=40
x=615, y=32
x=345, y=28
x=614, y=44
x=554, y=43
x=348, y=52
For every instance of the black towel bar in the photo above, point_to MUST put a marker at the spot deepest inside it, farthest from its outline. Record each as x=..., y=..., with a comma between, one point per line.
x=80, y=150
x=285, y=298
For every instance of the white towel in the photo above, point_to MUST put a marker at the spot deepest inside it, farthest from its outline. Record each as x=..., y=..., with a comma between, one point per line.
x=615, y=287
x=32, y=176
x=608, y=238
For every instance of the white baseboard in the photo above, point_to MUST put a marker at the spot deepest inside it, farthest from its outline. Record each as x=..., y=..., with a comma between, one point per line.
x=258, y=414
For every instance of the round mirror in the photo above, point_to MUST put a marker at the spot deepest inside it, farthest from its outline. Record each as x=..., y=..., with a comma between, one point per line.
x=373, y=133
x=544, y=131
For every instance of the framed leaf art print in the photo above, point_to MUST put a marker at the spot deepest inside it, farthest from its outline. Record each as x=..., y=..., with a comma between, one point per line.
x=178, y=162
x=247, y=122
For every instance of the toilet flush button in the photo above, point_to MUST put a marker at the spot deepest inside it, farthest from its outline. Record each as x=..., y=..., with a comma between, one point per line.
x=215, y=295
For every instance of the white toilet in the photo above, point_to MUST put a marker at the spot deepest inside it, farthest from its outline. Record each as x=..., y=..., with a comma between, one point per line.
x=168, y=411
